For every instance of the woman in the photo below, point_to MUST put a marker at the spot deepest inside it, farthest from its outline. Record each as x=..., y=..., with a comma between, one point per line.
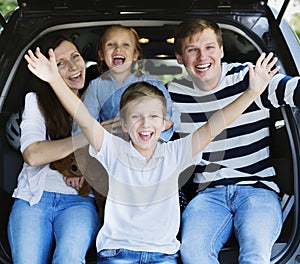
x=47, y=209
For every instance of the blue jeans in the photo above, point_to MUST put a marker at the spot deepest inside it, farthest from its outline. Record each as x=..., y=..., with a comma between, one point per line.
x=70, y=220
x=253, y=214
x=125, y=256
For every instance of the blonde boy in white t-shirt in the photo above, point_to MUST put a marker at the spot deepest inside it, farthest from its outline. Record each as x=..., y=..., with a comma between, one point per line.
x=142, y=209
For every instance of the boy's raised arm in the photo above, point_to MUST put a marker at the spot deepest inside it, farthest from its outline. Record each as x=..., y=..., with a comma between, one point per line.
x=259, y=77
x=46, y=69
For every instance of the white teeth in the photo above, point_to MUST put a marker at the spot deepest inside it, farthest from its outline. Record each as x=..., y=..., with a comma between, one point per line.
x=75, y=75
x=119, y=57
x=145, y=133
x=203, y=66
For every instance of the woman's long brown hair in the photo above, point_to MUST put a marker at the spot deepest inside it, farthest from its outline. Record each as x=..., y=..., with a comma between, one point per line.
x=58, y=122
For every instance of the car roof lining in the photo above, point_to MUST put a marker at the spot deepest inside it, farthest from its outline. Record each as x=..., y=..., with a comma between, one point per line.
x=134, y=5
x=80, y=32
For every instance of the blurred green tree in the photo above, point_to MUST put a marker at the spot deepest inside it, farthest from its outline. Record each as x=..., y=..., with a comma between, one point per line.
x=295, y=22
x=6, y=6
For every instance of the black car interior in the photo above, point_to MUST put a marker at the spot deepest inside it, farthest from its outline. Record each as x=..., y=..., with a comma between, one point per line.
x=238, y=48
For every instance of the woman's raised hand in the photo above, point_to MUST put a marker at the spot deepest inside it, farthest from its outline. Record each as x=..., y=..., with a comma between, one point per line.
x=42, y=67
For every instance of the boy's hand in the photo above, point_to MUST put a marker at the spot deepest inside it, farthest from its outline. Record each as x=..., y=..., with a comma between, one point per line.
x=38, y=64
x=261, y=74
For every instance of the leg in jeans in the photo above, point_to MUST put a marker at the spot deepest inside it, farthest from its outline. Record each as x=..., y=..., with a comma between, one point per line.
x=206, y=226
x=257, y=223
x=30, y=232
x=76, y=225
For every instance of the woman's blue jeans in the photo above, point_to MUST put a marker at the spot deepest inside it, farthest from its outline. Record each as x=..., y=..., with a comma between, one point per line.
x=253, y=214
x=70, y=220
x=125, y=256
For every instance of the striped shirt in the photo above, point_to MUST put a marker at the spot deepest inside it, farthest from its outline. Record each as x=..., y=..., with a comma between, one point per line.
x=241, y=153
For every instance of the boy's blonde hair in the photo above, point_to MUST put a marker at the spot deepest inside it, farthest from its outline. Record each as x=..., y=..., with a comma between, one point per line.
x=139, y=90
x=192, y=26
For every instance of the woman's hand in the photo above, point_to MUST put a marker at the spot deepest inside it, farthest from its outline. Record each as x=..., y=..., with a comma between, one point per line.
x=38, y=64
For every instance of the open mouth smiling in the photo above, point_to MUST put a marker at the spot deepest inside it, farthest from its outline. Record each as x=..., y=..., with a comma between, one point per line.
x=118, y=60
x=75, y=76
x=145, y=135
x=203, y=67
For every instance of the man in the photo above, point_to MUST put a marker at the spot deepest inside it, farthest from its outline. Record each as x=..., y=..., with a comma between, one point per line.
x=236, y=188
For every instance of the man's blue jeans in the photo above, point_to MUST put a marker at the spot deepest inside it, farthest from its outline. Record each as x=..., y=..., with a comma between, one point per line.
x=71, y=220
x=253, y=214
x=124, y=256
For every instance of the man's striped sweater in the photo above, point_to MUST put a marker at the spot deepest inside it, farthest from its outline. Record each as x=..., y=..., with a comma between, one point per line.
x=240, y=155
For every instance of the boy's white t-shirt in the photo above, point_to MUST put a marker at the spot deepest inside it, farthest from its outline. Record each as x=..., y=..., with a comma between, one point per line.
x=142, y=209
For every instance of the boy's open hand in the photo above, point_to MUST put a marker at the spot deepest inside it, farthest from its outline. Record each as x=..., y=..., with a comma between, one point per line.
x=38, y=64
x=261, y=74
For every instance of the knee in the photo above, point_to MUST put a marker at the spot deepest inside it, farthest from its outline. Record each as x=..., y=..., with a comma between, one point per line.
x=69, y=254
x=186, y=254
x=255, y=249
x=190, y=257
x=195, y=251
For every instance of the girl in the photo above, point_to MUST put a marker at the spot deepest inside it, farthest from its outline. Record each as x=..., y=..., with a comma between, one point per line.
x=46, y=209
x=118, y=48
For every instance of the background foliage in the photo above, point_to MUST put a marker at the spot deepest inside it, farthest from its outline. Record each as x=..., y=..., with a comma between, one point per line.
x=6, y=6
